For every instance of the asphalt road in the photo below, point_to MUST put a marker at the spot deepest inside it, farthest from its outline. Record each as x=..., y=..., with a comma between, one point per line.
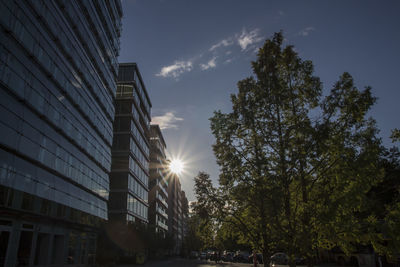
x=194, y=263
x=179, y=262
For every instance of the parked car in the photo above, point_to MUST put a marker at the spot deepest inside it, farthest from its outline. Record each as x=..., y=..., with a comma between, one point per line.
x=227, y=256
x=241, y=256
x=279, y=259
x=203, y=255
x=215, y=256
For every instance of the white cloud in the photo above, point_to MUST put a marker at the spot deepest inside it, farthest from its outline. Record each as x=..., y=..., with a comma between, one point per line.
x=210, y=64
x=166, y=121
x=248, y=38
x=229, y=60
x=225, y=42
x=306, y=31
x=176, y=69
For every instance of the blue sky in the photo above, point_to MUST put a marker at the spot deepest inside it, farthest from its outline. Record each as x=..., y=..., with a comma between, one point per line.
x=192, y=53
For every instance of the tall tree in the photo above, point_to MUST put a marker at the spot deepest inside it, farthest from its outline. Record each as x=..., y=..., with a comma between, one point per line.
x=295, y=167
x=216, y=211
x=205, y=209
x=384, y=212
x=395, y=135
x=193, y=239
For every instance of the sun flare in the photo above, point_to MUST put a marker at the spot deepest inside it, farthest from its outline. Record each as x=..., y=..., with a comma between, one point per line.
x=176, y=166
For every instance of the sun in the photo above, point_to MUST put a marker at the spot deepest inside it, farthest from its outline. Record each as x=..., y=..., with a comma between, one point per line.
x=176, y=166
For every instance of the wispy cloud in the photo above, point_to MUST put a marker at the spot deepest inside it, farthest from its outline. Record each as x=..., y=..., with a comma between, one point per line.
x=167, y=121
x=306, y=31
x=224, y=42
x=210, y=64
x=229, y=60
x=246, y=39
x=176, y=69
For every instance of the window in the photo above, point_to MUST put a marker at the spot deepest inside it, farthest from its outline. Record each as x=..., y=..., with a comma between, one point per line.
x=74, y=215
x=127, y=90
x=27, y=202
x=6, y=196
x=61, y=210
x=123, y=107
x=122, y=124
x=121, y=142
x=24, y=250
x=120, y=163
x=45, y=207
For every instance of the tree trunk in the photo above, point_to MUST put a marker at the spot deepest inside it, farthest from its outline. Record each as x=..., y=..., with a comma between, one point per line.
x=266, y=257
x=310, y=261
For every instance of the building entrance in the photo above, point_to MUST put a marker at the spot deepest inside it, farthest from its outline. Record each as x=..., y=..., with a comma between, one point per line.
x=4, y=238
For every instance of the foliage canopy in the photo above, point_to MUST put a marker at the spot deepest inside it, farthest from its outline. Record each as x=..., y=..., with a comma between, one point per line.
x=295, y=165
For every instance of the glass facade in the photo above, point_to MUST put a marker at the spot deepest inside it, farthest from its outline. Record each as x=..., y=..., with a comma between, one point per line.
x=158, y=181
x=177, y=211
x=129, y=179
x=58, y=71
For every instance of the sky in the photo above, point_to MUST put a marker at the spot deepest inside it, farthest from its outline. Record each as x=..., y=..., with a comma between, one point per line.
x=191, y=54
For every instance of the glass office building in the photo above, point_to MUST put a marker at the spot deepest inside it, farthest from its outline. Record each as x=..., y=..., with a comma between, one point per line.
x=174, y=211
x=129, y=179
x=158, y=196
x=58, y=70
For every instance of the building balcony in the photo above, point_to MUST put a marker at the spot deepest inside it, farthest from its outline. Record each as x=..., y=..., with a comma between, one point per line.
x=160, y=173
x=161, y=187
x=161, y=200
x=162, y=225
x=162, y=213
x=160, y=149
x=164, y=183
x=161, y=161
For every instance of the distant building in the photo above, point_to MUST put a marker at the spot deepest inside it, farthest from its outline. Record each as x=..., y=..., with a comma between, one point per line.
x=158, y=195
x=177, y=212
x=129, y=178
x=58, y=69
x=185, y=213
x=174, y=188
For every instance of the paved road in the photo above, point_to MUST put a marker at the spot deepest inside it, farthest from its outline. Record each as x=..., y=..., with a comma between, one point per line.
x=194, y=263
x=178, y=262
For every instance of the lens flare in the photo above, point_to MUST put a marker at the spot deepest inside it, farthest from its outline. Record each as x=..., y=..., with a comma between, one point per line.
x=176, y=166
